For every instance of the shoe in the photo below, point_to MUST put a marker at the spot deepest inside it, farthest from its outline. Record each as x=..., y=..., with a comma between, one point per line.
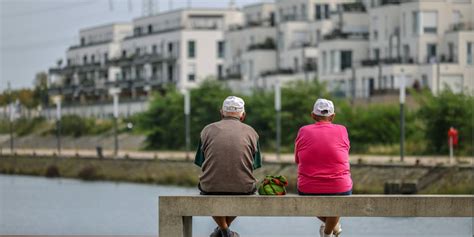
x=228, y=233
x=321, y=230
x=337, y=230
x=216, y=233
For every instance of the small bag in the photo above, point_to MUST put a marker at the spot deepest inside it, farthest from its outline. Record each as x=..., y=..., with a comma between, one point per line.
x=273, y=185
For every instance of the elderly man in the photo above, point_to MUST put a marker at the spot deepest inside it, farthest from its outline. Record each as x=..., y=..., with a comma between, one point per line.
x=228, y=153
x=322, y=155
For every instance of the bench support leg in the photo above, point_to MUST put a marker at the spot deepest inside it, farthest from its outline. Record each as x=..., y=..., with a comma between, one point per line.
x=188, y=226
x=175, y=226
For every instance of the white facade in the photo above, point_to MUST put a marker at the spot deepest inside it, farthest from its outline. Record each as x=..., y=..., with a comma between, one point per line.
x=361, y=48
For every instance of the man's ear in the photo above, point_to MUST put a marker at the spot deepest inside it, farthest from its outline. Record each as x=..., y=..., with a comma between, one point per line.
x=333, y=116
x=242, y=118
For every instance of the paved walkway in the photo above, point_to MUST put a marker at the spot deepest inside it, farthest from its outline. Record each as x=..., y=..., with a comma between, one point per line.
x=267, y=157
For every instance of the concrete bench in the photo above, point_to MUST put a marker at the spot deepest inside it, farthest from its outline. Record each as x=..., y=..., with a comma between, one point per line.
x=176, y=212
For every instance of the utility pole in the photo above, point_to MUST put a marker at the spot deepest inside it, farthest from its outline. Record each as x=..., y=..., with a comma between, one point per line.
x=57, y=101
x=12, y=117
x=115, y=93
x=187, y=117
x=402, y=116
x=278, y=118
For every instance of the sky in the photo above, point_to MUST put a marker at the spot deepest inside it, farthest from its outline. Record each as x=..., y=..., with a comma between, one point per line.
x=34, y=34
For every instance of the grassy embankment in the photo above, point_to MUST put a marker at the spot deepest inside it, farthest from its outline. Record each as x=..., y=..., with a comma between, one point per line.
x=367, y=180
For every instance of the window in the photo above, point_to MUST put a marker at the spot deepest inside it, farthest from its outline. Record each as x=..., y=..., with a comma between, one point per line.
x=404, y=32
x=430, y=22
x=150, y=29
x=318, y=36
x=154, y=49
x=106, y=57
x=93, y=59
x=376, y=54
x=303, y=11
x=137, y=51
x=431, y=52
x=326, y=11
x=191, y=49
x=424, y=81
x=192, y=72
x=124, y=53
x=296, y=64
x=220, y=49
x=346, y=59
x=332, y=63
x=318, y=12
x=138, y=31
x=450, y=52
x=68, y=61
x=84, y=59
x=469, y=50
x=416, y=23
x=220, y=74
x=83, y=41
x=456, y=17
x=324, y=62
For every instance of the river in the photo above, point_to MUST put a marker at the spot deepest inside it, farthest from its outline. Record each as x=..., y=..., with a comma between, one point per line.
x=37, y=205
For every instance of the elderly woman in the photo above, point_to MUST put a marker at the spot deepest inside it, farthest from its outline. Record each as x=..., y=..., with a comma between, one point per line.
x=322, y=155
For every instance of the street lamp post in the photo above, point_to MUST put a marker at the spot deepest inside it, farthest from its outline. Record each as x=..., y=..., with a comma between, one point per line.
x=402, y=115
x=57, y=101
x=11, y=119
x=278, y=118
x=115, y=93
x=187, y=113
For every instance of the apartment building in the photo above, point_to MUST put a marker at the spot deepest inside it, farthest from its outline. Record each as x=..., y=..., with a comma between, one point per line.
x=360, y=48
x=86, y=71
x=181, y=47
x=428, y=44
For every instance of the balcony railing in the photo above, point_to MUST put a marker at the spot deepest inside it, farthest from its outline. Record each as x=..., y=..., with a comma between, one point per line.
x=284, y=71
x=268, y=44
x=338, y=34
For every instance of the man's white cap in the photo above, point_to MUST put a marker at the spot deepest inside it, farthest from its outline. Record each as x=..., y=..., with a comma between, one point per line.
x=323, y=107
x=233, y=104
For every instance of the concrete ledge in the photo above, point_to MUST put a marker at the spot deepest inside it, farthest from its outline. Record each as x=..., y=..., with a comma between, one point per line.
x=176, y=212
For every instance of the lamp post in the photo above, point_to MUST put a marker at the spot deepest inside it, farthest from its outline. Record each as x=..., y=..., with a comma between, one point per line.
x=115, y=94
x=11, y=118
x=278, y=118
x=57, y=101
x=402, y=116
x=187, y=112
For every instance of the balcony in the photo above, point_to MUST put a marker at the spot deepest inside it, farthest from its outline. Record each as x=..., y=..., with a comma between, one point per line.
x=462, y=26
x=338, y=34
x=143, y=59
x=268, y=44
x=353, y=7
x=386, y=61
x=77, y=68
x=283, y=71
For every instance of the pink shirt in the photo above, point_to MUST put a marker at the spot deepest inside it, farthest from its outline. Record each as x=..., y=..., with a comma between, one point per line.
x=322, y=155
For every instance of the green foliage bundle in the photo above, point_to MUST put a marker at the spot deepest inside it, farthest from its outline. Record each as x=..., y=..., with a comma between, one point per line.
x=76, y=126
x=368, y=126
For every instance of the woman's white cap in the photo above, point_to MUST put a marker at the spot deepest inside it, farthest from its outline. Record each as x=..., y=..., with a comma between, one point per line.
x=323, y=107
x=233, y=104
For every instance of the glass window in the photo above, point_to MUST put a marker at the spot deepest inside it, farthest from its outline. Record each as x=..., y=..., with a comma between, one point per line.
x=154, y=49
x=326, y=11
x=318, y=12
x=430, y=22
x=220, y=74
x=220, y=49
x=469, y=50
x=150, y=29
x=191, y=49
x=192, y=72
x=416, y=23
x=324, y=62
x=346, y=59
x=431, y=52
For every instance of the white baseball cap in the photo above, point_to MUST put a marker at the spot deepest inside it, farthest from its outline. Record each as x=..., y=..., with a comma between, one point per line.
x=233, y=104
x=323, y=107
